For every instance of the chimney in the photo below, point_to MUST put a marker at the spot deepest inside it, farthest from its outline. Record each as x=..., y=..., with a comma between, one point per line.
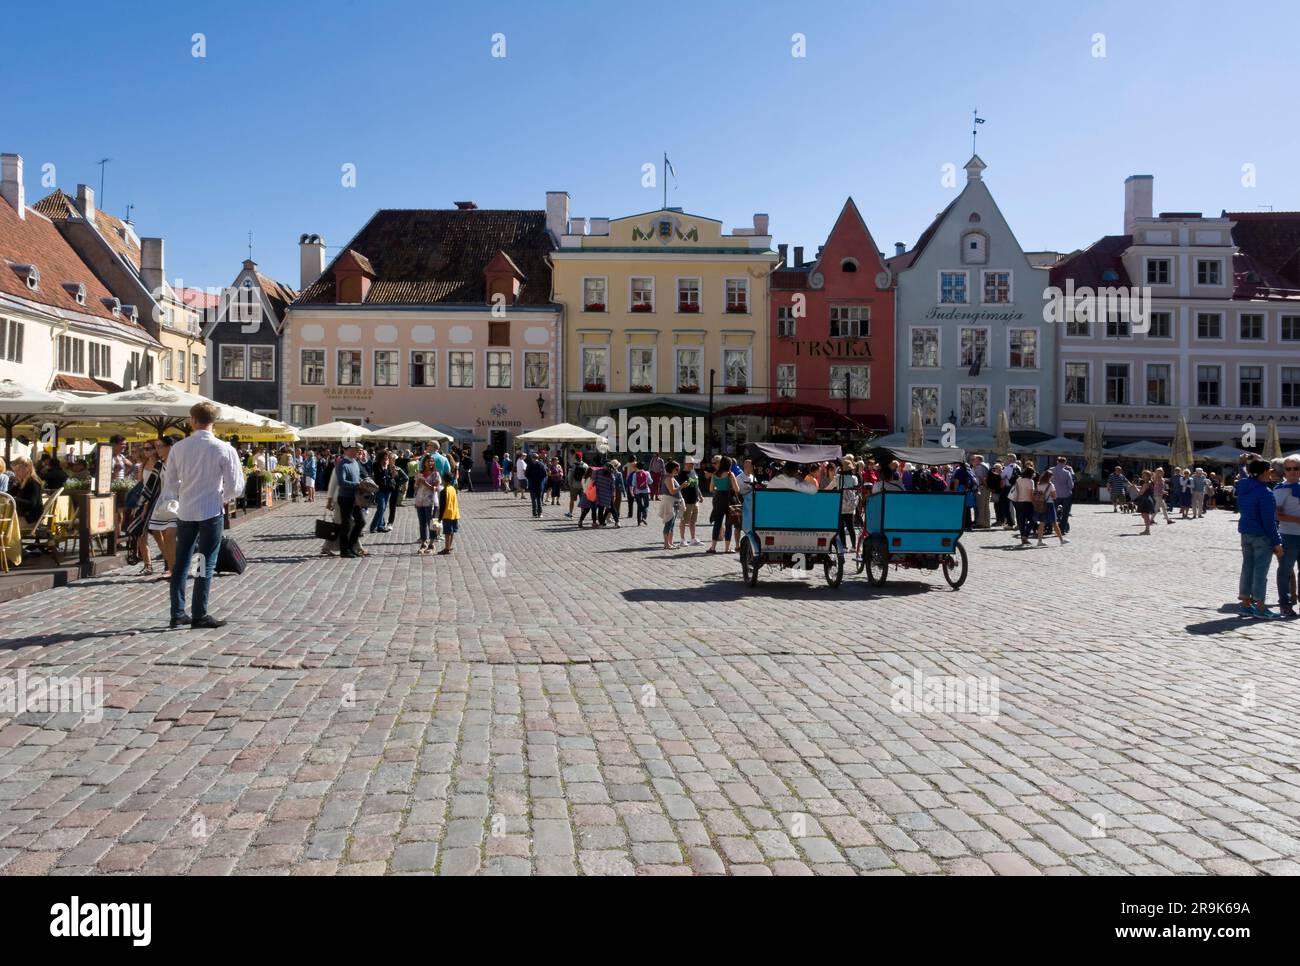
x=311, y=260
x=11, y=182
x=151, y=266
x=466, y=205
x=781, y=250
x=1138, y=189
x=899, y=248
x=557, y=214
x=760, y=224
x=798, y=256
x=86, y=201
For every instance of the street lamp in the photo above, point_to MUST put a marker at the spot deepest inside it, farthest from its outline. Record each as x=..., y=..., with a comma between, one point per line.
x=541, y=405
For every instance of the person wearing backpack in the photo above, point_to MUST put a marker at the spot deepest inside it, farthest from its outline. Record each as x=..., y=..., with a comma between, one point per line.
x=1260, y=539
x=690, y=481
x=576, y=485
x=1022, y=498
x=1044, y=502
x=641, y=482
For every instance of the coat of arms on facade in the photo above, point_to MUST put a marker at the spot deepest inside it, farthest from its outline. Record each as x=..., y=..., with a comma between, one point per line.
x=665, y=228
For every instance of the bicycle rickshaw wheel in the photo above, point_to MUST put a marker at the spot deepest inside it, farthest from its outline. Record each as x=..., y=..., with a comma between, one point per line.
x=834, y=567
x=955, y=567
x=748, y=564
x=877, y=564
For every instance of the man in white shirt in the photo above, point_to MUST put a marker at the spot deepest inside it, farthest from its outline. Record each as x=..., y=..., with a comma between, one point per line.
x=981, y=473
x=202, y=474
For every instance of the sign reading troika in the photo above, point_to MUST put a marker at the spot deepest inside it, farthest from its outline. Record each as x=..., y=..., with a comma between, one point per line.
x=834, y=348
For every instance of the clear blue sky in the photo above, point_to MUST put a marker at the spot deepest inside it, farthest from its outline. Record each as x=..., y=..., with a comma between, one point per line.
x=253, y=135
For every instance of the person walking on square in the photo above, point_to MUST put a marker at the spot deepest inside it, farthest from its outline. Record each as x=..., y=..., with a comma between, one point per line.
x=535, y=474
x=496, y=473
x=450, y=517
x=1045, y=515
x=1063, y=482
x=1260, y=538
x=690, y=514
x=722, y=486
x=385, y=476
x=427, y=483
x=1022, y=497
x=639, y=485
x=620, y=491
x=1118, y=485
x=979, y=469
x=1287, y=497
x=202, y=474
x=555, y=479
x=1145, y=500
x=672, y=505
x=1185, y=493
x=348, y=476
x=467, y=469
x=656, y=474
x=1160, y=490
x=577, y=483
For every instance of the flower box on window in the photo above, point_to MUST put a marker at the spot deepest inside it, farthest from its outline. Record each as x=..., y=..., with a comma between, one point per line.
x=737, y=390
x=689, y=390
x=594, y=307
x=641, y=388
x=642, y=307
x=688, y=306
x=593, y=387
x=738, y=307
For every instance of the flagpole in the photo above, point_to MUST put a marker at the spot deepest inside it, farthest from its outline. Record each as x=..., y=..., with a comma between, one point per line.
x=665, y=179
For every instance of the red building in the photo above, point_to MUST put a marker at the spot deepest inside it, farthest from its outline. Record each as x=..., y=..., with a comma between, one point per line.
x=833, y=328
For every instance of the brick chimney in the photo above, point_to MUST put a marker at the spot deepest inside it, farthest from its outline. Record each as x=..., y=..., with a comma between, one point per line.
x=466, y=205
x=781, y=250
x=760, y=223
x=311, y=260
x=11, y=182
x=151, y=266
x=899, y=248
x=86, y=202
x=1138, y=191
x=798, y=256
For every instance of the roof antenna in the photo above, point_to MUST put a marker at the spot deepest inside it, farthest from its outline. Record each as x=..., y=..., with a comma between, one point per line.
x=250, y=246
x=103, y=163
x=129, y=209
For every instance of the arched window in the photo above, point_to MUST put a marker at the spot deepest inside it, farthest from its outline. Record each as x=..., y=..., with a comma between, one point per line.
x=974, y=248
x=849, y=265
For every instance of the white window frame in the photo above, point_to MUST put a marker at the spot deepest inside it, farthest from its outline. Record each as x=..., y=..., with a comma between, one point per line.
x=749, y=365
x=837, y=382
x=654, y=366
x=1150, y=334
x=677, y=367
x=787, y=390
x=1087, y=381
x=338, y=357
x=1263, y=384
x=1295, y=396
x=864, y=322
x=1146, y=382
x=631, y=294
x=988, y=344
x=302, y=367
x=1105, y=383
x=1196, y=385
x=1263, y=326
x=726, y=297
x=938, y=346
x=965, y=272
x=487, y=367
x=311, y=406
x=243, y=364
x=1196, y=326
x=271, y=377
x=473, y=376
x=604, y=281
x=699, y=294
x=938, y=402
x=1120, y=319
x=1038, y=405
x=988, y=405
x=1011, y=285
x=550, y=365
x=410, y=366
x=396, y=365
x=787, y=321
x=11, y=340
x=166, y=361
x=1196, y=270
x=609, y=364
x=1150, y=260
x=1038, y=348
x=1295, y=327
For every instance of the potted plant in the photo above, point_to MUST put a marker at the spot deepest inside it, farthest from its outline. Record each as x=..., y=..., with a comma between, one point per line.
x=739, y=390
x=641, y=388
x=593, y=387
x=642, y=307
x=688, y=306
x=737, y=308
x=689, y=390
x=594, y=307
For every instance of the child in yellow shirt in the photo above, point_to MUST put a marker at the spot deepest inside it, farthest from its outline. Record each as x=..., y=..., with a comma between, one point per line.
x=450, y=516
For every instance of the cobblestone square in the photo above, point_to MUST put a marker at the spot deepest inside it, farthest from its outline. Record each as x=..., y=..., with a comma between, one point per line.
x=555, y=701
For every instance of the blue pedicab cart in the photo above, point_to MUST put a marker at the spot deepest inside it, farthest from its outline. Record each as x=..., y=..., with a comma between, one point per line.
x=911, y=529
x=788, y=528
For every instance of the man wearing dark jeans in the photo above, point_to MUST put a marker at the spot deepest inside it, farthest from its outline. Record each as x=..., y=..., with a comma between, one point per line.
x=202, y=474
x=536, y=475
x=349, y=473
x=1063, y=480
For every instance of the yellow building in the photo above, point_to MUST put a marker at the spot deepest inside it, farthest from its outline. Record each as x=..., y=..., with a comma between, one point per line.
x=655, y=306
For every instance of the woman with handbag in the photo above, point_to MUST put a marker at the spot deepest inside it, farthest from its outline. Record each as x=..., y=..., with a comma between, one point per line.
x=1044, y=501
x=427, y=482
x=1146, y=501
x=139, y=505
x=162, y=522
x=722, y=485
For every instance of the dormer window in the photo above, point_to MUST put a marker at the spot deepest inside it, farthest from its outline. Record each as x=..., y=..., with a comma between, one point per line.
x=849, y=265
x=974, y=248
x=974, y=218
x=114, y=306
x=77, y=290
x=31, y=275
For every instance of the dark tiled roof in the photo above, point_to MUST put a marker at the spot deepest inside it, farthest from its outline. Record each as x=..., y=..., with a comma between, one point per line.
x=35, y=240
x=58, y=205
x=436, y=255
x=904, y=261
x=84, y=384
x=790, y=278
x=1253, y=280
x=1089, y=266
x=1271, y=238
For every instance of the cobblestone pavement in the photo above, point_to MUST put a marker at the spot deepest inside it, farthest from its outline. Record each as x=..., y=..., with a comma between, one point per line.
x=549, y=700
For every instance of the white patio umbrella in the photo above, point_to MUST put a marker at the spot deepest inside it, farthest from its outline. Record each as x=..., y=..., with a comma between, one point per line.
x=1180, y=450
x=563, y=433
x=915, y=429
x=1142, y=449
x=414, y=431
x=1226, y=455
x=19, y=403
x=1057, y=446
x=333, y=432
x=157, y=405
x=1272, y=444
x=1003, y=435
x=1092, y=446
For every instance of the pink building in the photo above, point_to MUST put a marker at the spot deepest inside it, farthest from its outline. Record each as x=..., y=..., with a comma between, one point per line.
x=442, y=316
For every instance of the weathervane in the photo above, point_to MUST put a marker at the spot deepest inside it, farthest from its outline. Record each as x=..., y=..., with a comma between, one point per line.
x=974, y=129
